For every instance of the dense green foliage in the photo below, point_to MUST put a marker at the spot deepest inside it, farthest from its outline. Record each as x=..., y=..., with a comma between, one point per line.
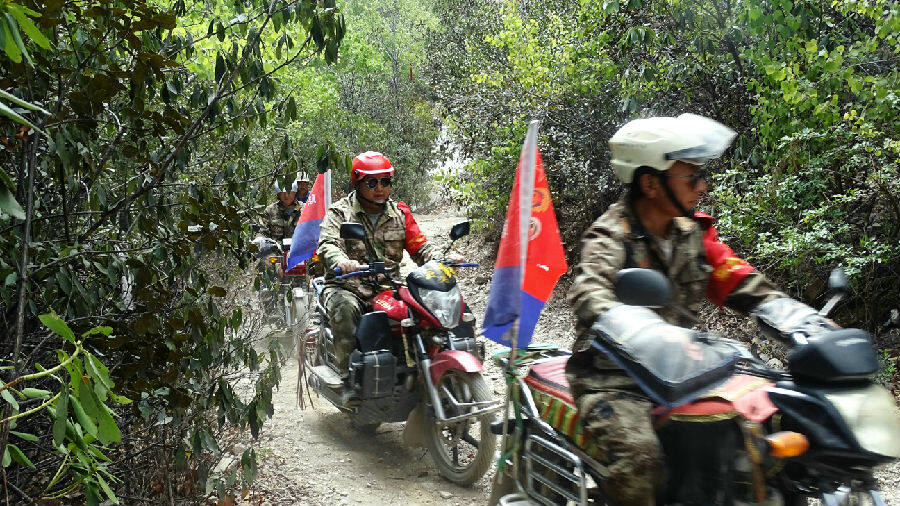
x=146, y=121
x=812, y=88
x=373, y=98
x=139, y=141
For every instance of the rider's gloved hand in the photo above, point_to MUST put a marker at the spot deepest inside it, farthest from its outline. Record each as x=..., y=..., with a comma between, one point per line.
x=780, y=318
x=347, y=266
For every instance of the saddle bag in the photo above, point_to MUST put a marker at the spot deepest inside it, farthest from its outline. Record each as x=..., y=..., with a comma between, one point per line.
x=373, y=373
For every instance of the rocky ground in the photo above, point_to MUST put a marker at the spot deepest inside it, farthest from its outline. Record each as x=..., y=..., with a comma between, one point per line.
x=314, y=456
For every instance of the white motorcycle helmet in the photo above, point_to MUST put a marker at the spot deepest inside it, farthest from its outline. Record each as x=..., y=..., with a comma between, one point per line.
x=301, y=178
x=279, y=189
x=660, y=141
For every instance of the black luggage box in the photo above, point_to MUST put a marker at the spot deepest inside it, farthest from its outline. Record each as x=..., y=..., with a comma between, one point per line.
x=374, y=373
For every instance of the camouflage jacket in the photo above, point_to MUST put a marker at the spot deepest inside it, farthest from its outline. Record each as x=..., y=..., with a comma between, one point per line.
x=699, y=267
x=279, y=220
x=395, y=231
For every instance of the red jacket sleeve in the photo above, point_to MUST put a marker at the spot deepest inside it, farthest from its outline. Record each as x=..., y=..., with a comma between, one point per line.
x=415, y=239
x=728, y=270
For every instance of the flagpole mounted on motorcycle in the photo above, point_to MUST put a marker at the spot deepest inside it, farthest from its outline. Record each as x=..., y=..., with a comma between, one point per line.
x=530, y=260
x=303, y=248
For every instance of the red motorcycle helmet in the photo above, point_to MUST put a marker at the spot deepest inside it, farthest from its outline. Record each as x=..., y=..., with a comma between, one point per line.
x=370, y=163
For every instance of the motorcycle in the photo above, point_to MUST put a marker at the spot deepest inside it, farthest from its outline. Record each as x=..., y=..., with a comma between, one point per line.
x=284, y=293
x=416, y=362
x=765, y=436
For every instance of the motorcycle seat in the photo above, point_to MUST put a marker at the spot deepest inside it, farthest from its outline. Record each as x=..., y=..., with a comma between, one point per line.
x=547, y=381
x=549, y=376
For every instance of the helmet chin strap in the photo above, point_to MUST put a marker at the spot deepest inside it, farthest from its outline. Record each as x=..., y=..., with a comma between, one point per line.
x=687, y=213
x=374, y=203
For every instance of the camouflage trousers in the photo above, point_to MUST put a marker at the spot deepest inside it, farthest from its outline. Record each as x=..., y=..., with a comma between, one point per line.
x=344, y=309
x=617, y=415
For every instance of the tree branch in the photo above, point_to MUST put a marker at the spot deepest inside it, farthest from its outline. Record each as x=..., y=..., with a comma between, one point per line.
x=188, y=134
x=30, y=165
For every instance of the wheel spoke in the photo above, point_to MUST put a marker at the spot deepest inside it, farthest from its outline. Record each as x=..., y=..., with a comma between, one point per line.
x=471, y=440
x=452, y=401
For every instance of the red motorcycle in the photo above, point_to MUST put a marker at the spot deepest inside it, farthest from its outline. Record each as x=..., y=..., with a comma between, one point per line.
x=416, y=360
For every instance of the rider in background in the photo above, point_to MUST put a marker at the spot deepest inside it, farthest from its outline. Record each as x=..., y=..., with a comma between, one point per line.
x=390, y=229
x=281, y=216
x=654, y=226
x=302, y=183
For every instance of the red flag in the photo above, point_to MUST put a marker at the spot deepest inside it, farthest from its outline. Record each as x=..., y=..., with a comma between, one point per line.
x=546, y=260
x=531, y=256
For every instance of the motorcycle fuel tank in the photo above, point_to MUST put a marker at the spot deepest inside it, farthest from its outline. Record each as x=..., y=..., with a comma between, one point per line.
x=395, y=309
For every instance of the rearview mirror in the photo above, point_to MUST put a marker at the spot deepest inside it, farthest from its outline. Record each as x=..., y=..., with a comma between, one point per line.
x=459, y=230
x=643, y=287
x=353, y=231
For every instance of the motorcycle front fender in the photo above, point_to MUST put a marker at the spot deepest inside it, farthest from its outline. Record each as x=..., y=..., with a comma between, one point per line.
x=452, y=359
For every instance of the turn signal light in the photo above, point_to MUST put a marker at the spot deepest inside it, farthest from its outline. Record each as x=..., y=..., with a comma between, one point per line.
x=272, y=260
x=787, y=444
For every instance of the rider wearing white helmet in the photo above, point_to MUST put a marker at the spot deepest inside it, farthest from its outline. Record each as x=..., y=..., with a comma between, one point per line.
x=302, y=184
x=653, y=226
x=281, y=216
x=667, y=148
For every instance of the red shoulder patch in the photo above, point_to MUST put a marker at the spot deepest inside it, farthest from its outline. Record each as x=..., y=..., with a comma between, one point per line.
x=703, y=219
x=728, y=269
x=415, y=239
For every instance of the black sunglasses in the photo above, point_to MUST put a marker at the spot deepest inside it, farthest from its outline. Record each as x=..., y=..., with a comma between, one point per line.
x=694, y=179
x=373, y=182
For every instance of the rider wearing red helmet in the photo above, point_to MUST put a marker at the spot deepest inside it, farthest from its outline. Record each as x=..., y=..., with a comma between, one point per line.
x=390, y=229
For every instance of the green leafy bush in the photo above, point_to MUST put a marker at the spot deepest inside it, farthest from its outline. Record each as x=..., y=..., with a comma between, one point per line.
x=812, y=89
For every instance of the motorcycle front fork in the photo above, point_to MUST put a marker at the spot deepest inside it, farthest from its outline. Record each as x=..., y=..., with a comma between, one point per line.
x=425, y=366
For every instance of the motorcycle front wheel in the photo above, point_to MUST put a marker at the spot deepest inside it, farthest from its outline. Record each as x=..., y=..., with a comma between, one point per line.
x=462, y=450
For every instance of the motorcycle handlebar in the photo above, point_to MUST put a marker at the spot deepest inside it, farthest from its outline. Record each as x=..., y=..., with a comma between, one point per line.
x=350, y=275
x=363, y=269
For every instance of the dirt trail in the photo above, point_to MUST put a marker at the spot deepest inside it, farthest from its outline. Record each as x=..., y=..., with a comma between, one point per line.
x=314, y=456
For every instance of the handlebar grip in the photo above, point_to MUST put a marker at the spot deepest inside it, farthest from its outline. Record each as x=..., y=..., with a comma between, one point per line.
x=350, y=275
x=466, y=264
x=363, y=269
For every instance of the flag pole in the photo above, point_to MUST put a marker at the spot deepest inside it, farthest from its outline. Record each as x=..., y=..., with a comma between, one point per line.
x=327, y=189
x=526, y=190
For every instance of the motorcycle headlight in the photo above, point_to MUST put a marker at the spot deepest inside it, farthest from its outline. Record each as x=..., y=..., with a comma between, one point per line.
x=445, y=306
x=872, y=417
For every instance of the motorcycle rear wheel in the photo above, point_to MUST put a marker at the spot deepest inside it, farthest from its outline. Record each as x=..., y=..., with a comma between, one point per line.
x=470, y=439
